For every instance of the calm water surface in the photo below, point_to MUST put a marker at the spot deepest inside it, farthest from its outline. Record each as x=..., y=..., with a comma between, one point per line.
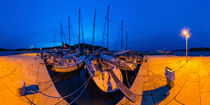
x=5, y=53
x=92, y=95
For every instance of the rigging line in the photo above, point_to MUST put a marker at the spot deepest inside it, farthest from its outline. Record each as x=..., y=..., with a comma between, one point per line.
x=84, y=84
x=52, y=83
x=53, y=79
x=74, y=37
x=64, y=36
x=79, y=31
x=69, y=29
x=104, y=32
x=105, y=25
x=108, y=27
x=82, y=32
x=127, y=79
x=61, y=29
x=93, y=34
x=80, y=93
x=117, y=40
x=122, y=36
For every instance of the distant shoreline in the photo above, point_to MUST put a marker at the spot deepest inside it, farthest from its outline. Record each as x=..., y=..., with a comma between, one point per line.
x=203, y=49
x=57, y=47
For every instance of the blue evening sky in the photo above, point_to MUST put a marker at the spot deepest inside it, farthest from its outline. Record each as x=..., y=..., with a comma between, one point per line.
x=151, y=24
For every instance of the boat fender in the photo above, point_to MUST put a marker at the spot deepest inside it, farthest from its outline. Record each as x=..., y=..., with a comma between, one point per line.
x=132, y=67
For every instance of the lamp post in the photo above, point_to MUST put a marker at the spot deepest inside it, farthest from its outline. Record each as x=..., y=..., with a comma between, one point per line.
x=31, y=48
x=186, y=33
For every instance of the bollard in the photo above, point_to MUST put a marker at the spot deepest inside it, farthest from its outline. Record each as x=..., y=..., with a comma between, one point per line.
x=170, y=76
x=20, y=88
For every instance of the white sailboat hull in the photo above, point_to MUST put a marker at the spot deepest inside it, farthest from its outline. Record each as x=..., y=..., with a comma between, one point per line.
x=65, y=69
x=103, y=79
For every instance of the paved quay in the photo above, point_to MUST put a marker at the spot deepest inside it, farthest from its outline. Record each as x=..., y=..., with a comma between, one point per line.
x=29, y=68
x=191, y=85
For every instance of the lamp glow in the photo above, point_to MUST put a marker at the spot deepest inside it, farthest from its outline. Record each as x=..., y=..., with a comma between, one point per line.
x=186, y=33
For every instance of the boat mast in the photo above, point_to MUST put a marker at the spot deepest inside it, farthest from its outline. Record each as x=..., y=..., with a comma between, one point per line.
x=108, y=28
x=79, y=29
x=69, y=30
x=94, y=24
x=122, y=36
x=54, y=46
x=83, y=39
x=126, y=38
x=61, y=34
x=54, y=39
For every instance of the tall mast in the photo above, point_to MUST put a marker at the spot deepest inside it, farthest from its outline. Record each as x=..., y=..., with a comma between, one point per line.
x=108, y=28
x=122, y=36
x=94, y=24
x=54, y=45
x=83, y=39
x=69, y=28
x=126, y=38
x=54, y=39
x=79, y=29
x=61, y=33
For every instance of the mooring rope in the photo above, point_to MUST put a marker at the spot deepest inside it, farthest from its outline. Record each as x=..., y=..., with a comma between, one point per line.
x=80, y=93
x=52, y=83
x=85, y=84
x=127, y=79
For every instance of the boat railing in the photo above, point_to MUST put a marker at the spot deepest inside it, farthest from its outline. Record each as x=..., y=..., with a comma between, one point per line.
x=89, y=66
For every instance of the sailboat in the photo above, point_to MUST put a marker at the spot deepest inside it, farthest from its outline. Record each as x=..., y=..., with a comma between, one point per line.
x=122, y=64
x=100, y=70
x=129, y=56
x=121, y=61
x=68, y=65
x=73, y=61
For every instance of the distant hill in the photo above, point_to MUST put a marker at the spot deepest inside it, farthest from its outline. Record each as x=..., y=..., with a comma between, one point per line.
x=82, y=46
x=199, y=49
x=196, y=49
x=2, y=49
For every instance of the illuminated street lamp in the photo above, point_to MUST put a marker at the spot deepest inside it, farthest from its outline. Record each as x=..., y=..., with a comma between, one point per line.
x=31, y=47
x=186, y=33
x=40, y=49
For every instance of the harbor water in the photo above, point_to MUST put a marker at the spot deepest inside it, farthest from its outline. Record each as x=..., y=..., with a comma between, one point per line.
x=66, y=83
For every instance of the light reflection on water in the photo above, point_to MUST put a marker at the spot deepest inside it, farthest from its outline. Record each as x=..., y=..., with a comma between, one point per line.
x=92, y=94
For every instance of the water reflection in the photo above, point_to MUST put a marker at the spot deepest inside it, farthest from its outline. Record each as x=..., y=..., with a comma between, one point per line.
x=66, y=83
